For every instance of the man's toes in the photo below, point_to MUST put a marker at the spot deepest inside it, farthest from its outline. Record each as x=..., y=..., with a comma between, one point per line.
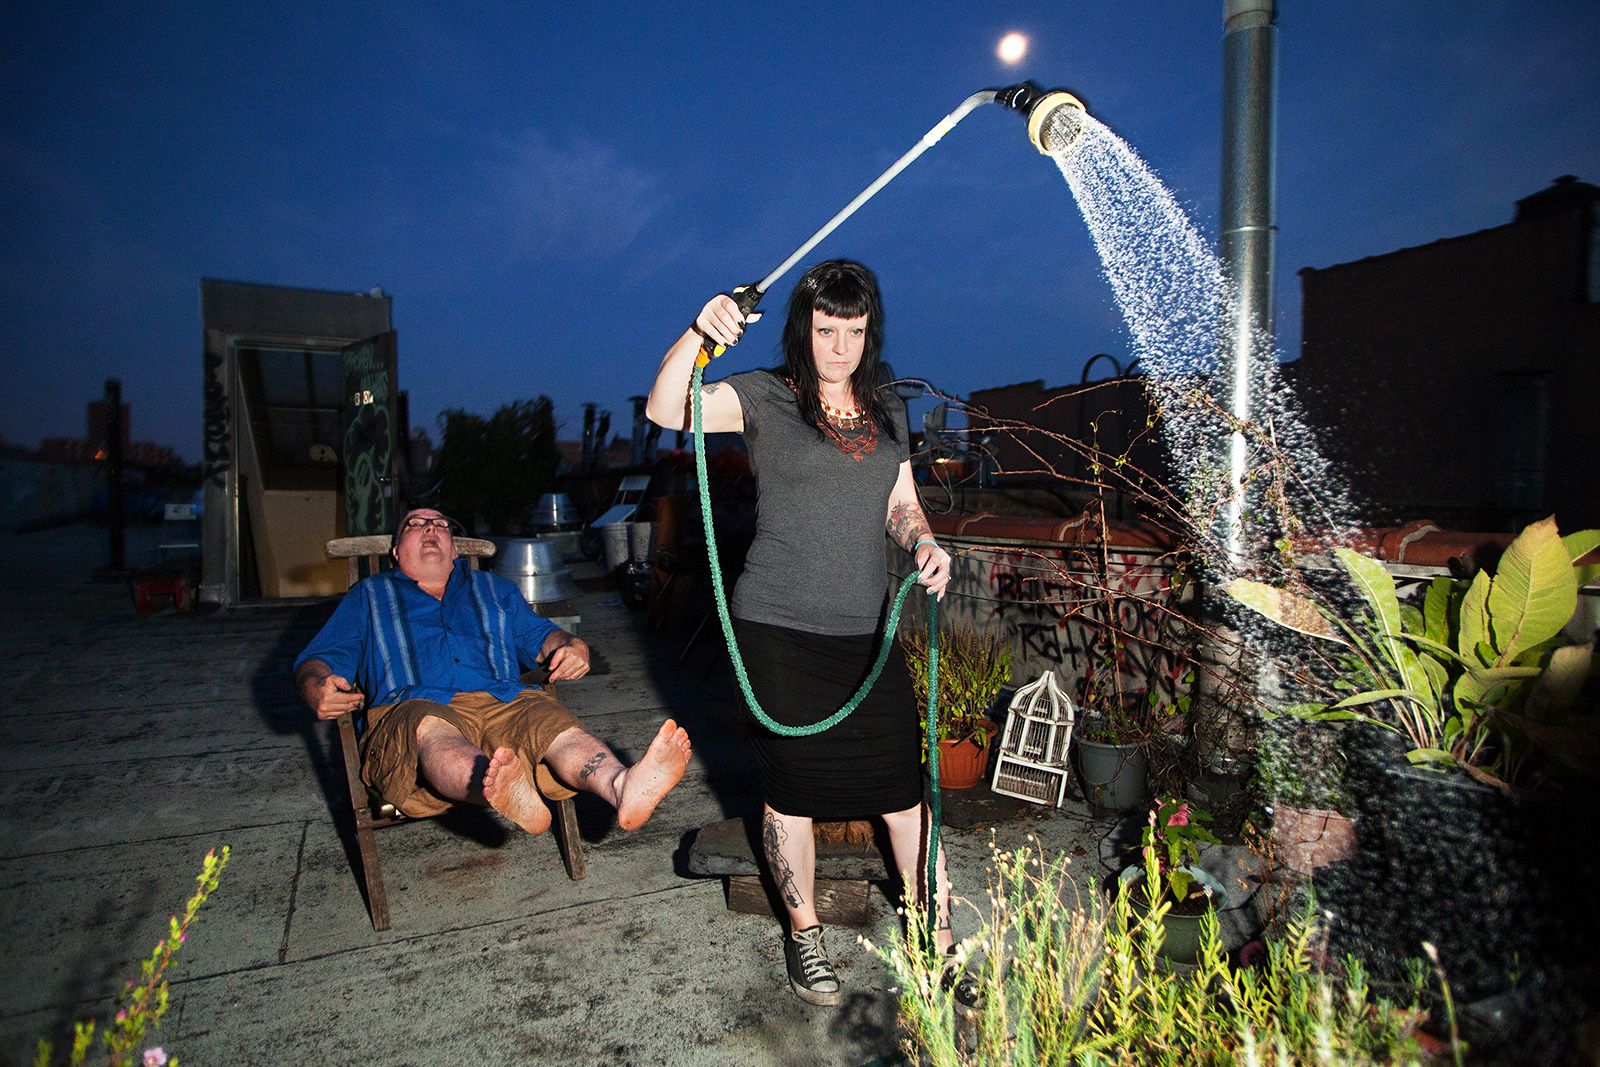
x=502, y=767
x=509, y=790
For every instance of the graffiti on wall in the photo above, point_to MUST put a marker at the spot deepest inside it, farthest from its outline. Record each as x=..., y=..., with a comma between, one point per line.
x=214, y=451
x=369, y=437
x=1053, y=603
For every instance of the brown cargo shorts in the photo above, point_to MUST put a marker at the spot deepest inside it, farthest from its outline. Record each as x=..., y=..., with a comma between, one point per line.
x=527, y=725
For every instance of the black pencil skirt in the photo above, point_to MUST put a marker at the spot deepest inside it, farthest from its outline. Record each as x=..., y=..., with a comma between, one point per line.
x=868, y=764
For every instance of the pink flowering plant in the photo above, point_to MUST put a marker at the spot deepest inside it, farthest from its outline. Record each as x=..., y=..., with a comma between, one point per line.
x=142, y=1003
x=1172, y=841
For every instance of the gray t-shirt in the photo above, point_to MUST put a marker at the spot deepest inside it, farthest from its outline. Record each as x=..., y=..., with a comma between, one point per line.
x=817, y=563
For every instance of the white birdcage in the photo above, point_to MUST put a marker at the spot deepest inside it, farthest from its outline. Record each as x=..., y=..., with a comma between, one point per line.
x=1033, y=763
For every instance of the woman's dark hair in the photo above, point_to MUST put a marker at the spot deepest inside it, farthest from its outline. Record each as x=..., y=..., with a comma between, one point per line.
x=844, y=290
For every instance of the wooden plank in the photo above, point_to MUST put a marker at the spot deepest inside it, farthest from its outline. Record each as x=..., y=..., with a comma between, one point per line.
x=570, y=840
x=840, y=903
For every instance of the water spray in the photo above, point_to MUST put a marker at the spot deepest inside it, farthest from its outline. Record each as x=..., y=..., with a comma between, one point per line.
x=1053, y=125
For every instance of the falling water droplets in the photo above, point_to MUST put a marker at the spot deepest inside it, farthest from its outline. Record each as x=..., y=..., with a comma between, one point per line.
x=1175, y=298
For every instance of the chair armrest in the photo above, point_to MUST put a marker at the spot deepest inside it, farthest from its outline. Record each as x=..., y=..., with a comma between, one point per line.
x=347, y=547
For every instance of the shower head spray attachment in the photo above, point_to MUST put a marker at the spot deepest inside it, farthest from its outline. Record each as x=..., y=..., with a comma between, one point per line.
x=1054, y=123
x=1055, y=116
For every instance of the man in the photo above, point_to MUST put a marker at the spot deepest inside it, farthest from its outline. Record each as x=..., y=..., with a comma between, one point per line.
x=440, y=648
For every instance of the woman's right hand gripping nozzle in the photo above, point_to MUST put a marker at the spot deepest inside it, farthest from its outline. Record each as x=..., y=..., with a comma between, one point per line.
x=723, y=320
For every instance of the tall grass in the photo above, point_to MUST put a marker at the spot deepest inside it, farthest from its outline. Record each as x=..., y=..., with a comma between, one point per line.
x=1065, y=980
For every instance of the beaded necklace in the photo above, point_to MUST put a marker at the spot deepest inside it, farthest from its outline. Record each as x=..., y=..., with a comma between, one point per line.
x=836, y=422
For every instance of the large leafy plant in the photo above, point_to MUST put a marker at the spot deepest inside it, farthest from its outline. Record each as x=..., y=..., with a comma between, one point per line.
x=1477, y=675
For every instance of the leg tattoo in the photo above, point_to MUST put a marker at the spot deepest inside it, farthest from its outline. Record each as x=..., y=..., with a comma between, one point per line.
x=592, y=766
x=772, y=837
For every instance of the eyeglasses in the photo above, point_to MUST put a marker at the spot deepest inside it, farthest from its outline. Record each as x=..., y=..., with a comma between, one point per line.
x=419, y=522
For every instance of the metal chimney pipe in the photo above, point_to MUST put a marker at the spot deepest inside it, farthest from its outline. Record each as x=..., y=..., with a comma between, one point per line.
x=586, y=459
x=114, y=431
x=637, y=454
x=601, y=432
x=1249, y=159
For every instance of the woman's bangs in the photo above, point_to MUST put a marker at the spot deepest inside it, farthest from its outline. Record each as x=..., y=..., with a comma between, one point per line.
x=843, y=298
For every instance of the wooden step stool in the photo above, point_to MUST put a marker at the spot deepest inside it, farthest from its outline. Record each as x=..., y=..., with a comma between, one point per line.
x=848, y=862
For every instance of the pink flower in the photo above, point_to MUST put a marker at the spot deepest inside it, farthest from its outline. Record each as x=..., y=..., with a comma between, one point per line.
x=155, y=1057
x=122, y=1017
x=1179, y=817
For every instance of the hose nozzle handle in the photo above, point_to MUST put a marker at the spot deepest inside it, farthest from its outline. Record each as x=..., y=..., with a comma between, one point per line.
x=746, y=297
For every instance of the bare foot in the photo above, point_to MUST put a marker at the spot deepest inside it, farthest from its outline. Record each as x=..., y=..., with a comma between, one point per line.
x=646, y=782
x=509, y=789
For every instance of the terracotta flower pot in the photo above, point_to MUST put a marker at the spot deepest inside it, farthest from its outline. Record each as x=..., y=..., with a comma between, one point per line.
x=1304, y=839
x=962, y=763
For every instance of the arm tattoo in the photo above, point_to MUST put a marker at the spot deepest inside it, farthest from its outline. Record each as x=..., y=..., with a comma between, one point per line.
x=907, y=525
x=772, y=838
x=709, y=388
x=592, y=766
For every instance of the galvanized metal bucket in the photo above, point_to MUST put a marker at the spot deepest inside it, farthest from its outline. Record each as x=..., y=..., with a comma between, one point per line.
x=537, y=568
x=627, y=542
x=555, y=511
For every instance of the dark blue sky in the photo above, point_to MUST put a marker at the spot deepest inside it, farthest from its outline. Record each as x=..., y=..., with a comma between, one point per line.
x=550, y=191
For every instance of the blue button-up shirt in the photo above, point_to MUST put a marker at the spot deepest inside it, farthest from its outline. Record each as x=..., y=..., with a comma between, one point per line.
x=399, y=642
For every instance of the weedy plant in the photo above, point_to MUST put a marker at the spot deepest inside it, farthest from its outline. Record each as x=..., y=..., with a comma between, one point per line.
x=974, y=665
x=1036, y=959
x=1301, y=764
x=1065, y=981
x=142, y=1003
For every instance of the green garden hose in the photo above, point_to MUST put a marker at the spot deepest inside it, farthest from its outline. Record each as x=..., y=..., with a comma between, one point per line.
x=890, y=628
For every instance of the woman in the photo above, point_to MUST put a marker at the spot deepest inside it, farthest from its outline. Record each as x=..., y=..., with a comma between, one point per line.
x=832, y=459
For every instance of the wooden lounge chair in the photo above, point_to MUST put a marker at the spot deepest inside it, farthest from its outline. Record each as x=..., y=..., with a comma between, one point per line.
x=371, y=813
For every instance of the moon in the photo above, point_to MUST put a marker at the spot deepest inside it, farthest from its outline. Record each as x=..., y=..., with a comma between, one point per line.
x=1013, y=46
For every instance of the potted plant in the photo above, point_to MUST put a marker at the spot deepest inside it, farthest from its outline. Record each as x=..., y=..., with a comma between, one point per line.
x=1169, y=887
x=1300, y=778
x=1480, y=678
x=1112, y=738
x=1112, y=762
x=1483, y=757
x=974, y=665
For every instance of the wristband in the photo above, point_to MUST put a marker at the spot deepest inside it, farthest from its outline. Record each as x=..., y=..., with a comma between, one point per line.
x=924, y=541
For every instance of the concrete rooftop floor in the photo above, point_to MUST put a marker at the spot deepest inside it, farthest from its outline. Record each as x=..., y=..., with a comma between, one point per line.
x=135, y=743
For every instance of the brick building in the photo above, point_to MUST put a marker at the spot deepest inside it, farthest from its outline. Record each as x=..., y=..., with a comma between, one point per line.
x=1033, y=432
x=1457, y=380
x=92, y=446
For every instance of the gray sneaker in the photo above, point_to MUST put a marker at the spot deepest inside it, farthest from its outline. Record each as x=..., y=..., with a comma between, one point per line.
x=810, y=973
